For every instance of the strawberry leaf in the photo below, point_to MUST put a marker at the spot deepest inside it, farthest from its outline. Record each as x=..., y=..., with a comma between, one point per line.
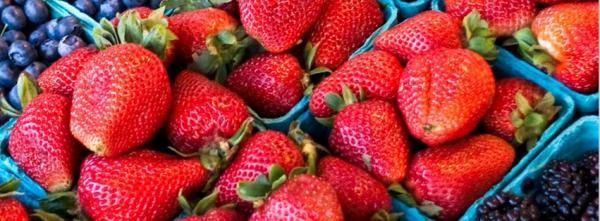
x=206, y=203
x=183, y=202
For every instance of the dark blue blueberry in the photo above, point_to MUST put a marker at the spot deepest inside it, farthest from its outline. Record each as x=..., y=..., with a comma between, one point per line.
x=133, y=3
x=4, y=4
x=35, y=69
x=36, y=11
x=97, y=3
x=20, y=2
x=39, y=35
x=3, y=50
x=13, y=97
x=70, y=43
x=22, y=53
x=8, y=74
x=52, y=29
x=109, y=9
x=86, y=6
x=68, y=25
x=14, y=18
x=12, y=35
x=155, y=3
x=49, y=50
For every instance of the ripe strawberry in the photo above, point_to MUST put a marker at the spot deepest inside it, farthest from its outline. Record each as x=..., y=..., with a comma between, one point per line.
x=205, y=210
x=270, y=83
x=304, y=197
x=343, y=28
x=144, y=12
x=503, y=16
x=61, y=76
x=520, y=110
x=554, y=2
x=371, y=135
x=420, y=34
x=444, y=94
x=121, y=99
x=217, y=214
x=279, y=25
x=255, y=157
x=360, y=195
x=140, y=185
x=454, y=175
x=203, y=112
x=42, y=145
x=377, y=72
x=10, y=208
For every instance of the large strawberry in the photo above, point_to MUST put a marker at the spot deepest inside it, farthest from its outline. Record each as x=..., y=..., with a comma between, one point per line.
x=140, y=185
x=10, y=208
x=454, y=175
x=61, y=76
x=279, y=25
x=376, y=72
x=204, y=113
x=444, y=94
x=121, y=99
x=343, y=27
x=503, y=16
x=360, y=195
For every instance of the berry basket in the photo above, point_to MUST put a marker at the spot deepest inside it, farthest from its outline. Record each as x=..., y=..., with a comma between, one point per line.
x=407, y=9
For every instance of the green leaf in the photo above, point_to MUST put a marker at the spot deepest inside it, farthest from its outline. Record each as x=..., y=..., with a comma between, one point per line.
x=532, y=52
x=253, y=191
x=7, y=109
x=430, y=209
x=242, y=132
x=297, y=171
x=26, y=89
x=546, y=102
x=206, y=203
x=480, y=39
x=227, y=37
x=46, y=216
x=348, y=95
x=534, y=120
x=10, y=186
x=521, y=135
x=276, y=172
x=211, y=162
x=400, y=193
x=183, y=202
x=310, y=51
x=522, y=104
x=383, y=215
x=516, y=119
x=531, y=142
x=367, y=161
x=59, y=202
x=334, y=101
x=320, y=70
x=325, y=121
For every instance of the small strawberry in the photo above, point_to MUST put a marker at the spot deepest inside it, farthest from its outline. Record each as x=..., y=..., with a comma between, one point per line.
x=377, y=72
x=444, y=94
x=144, y=12
x=279, y=25
x=454, y=175
x=360, y=195
x=520, y=112
x=10, y=208
x=61, y=76
x=343, y=28
x=503, y=16
x=205, y=210
x=140, y=185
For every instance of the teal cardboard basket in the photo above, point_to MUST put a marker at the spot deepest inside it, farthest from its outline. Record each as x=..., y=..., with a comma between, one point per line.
x=407, y=9
x=62, y=8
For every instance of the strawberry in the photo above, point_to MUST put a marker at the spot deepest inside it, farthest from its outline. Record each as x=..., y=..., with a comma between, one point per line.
x=270, y=83
x=377, y=72
x=343, y=28
x=10, y=208
x=520, y=112
x=218, y=214
x=42, y=145
x=454, y=175
x=425, y=32
x=61, y=76
x=140, y=185
x=503, y=16
x=203, y=113
x=360, y=195
x=444, y=94
x=144, y=12
x=205, y=210
x=554, y=2
x=279, y=25
x=121, y=99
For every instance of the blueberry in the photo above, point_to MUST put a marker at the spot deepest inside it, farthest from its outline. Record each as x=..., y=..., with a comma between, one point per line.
x=20, y=2
x=13, y=97
x=52, y=29
x=109, y=9
x=35, y=69
x=86, y=6
x=8, y=74
x=133, y=3
x=14, y=18
x=155, y=3
x=36, y=11
x=49, y=50
x=4, y=4
x=22, y=53
x=38, y=36
x=68, y=25
x=3, y=50
x=11, y=36
x=97, y=3
x=69, y=43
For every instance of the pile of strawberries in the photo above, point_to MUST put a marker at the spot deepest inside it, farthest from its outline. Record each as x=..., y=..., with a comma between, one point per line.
x=158, y=119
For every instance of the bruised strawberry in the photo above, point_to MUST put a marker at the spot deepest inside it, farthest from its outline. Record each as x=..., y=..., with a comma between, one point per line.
x=503, y=16
x=144, y=12
x=376, y=72
x=360, y=195
x=61, y=76
x=444, y=94
x=10, y=208
x=343, y=28
x=425, y=32
x=140, y=185
x=42, y=145
x=121, y=98
x=279, y=25
x=454, y=175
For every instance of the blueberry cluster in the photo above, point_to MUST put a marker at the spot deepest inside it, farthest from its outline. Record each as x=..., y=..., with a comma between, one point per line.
x=507, y=206
x=108, y=9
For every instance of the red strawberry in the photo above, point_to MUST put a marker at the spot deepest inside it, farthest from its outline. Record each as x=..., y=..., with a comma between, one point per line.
x=518, y=100
x=279, y=25
x=425, y=32
x=503, y=16
x=371, y=135
x=255, y=157
x=10, y=208
x=141, y=185
x=61, y=76
x=444, y=94
x=377, y=72
x=554, y=2
x=205, y=209
x=454, y=175
x=270, y=83
x=144, y=12
x=304, y=197
x=360, y=195
x=203, y=112
x=42, y=145
x=121, y=99
x=217, y=214
x=343, y=28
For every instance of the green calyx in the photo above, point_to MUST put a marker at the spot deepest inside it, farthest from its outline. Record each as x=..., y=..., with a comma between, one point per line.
x=180, y=6
x=310, y=51
x=479, y=37
x=337, y=102
x=60, y=206
x=426, y=207
x=9, y=188
x=530, y=121
x=531, y=50
x=152, y=32
x=383, y=215
x=308, y=147
x=201, y=207
x=27, y=89
x=258, y=190
x=224, y=51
